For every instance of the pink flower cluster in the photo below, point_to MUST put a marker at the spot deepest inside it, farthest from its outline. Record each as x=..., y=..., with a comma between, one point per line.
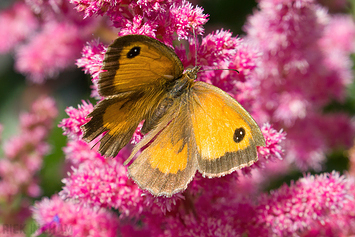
x=99, y=181
x=23, y=156
x=304, y=65
x=290, y=66
x=41, y=59
x=103, y=183
x=313, y=206
x=45, y=36
x=115, y=189
x=91, y=61
x=61, y=218
x=151, y=18
x=77, y=117
x=16, y=23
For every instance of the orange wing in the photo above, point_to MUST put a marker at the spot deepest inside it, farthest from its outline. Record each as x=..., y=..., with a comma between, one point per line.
x=135, y=62
x=138, y=73
x=167, y=162
x=226, y=135
x=119, y=116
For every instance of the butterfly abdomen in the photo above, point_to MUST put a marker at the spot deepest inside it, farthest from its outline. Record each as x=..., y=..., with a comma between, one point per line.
x=151, y=122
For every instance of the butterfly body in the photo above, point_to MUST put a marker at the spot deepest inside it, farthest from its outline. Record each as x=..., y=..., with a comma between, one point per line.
x=188, y=125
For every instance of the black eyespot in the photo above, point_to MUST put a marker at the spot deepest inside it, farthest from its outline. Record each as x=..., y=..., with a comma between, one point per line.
x=133, y=52
x=239, y=135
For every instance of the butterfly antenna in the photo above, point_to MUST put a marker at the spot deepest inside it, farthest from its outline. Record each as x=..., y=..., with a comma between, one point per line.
x=195, y=37
x=229, y=69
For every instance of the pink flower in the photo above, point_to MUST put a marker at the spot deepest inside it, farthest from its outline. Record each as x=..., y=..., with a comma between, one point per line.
x=339, y=33
x=161, y=205
x=61, y=218
x=216, y=47
x=245, y=60
x=77, y=117
x=57, y=11
x=79, y=151
x=16, y=24
x=188, y=18
x=273, y=148
x=307, y=151
x=313, y=202
x=216, y=224
x=43, y=7
x=46, y=36
x=139, y=27
x=292, y=106
x=104, y=183
x=137, y=135
x=91, y=62
x=24, y=153
x=46, y=55
x=152, y=18
x=337, y=43
x=23, y=157
x=254, y=181
x=277, y=26
x=21, y=146
x=43, y=112
x=35, y=127
x=294, y=84
x=91, y=7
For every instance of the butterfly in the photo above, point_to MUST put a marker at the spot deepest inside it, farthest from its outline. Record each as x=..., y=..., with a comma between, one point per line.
x=188, y=125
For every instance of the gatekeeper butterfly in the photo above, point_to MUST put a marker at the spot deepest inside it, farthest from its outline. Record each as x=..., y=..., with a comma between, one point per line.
x=188, y=125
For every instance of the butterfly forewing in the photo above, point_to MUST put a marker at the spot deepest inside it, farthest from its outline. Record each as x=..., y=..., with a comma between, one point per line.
x=135, y=62
x=138, y=71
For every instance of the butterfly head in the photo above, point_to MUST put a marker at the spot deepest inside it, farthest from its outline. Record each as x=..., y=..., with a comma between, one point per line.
x=191, y=73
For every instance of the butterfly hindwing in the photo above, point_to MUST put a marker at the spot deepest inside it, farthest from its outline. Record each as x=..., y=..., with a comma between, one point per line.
x=119, y=117
x=168, y=160
x=226, y=135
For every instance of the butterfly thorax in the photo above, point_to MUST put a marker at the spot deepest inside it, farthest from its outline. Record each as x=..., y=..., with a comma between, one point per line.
x=184, y=83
